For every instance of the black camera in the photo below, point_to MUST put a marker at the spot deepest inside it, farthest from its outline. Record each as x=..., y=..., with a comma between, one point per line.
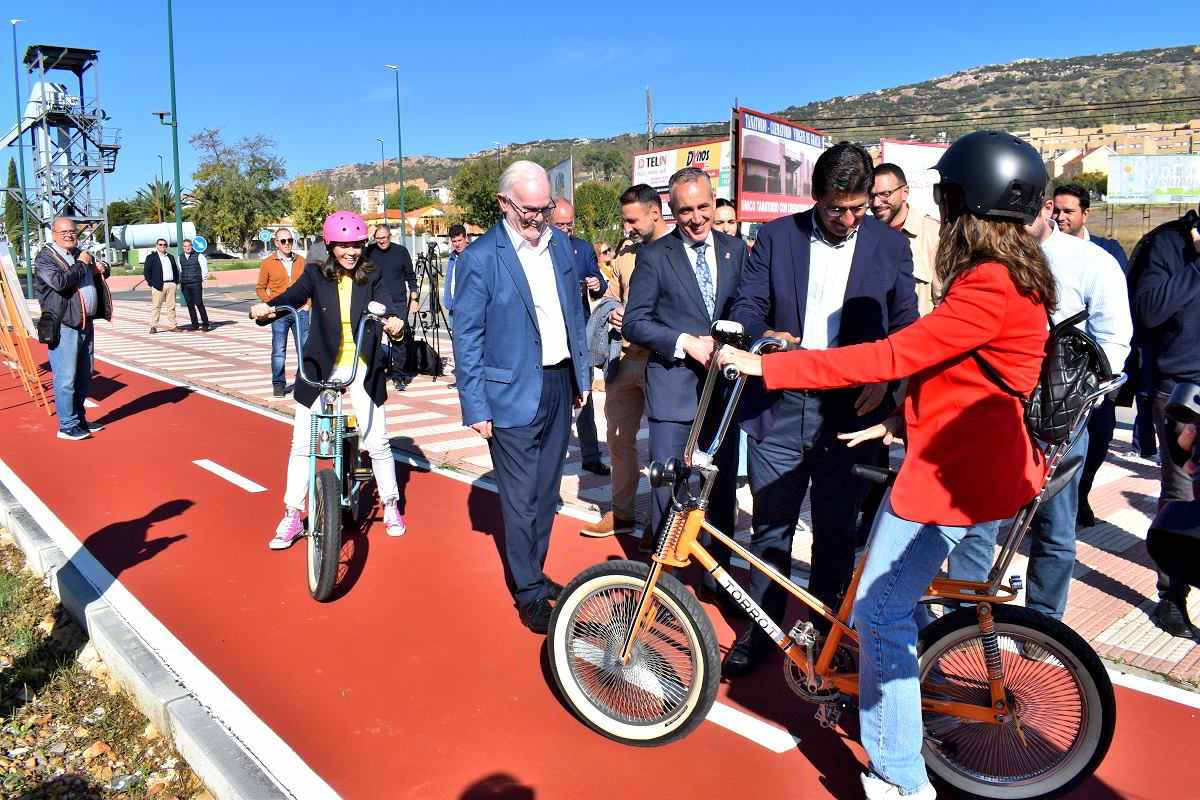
x=1184, y=404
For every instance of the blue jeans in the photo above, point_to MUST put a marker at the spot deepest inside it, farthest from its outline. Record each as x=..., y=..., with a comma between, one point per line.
x=902, y=559
x=1051, y=545
x=279, y=340
x=71, y=369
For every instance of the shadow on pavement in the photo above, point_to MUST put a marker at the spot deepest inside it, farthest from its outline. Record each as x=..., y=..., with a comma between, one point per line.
x=126, y=544
x=498, y=786
x=146, y=402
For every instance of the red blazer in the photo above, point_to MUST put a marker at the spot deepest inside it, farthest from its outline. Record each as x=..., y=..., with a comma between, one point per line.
x=969, y=456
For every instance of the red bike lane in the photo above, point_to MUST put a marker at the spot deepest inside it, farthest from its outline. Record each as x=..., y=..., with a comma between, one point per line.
x=418, y=681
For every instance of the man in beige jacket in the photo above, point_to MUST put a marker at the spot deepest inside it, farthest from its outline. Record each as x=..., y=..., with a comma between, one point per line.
x=625, y=394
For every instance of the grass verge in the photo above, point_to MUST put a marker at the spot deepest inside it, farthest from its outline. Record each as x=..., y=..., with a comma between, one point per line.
x=66, y=728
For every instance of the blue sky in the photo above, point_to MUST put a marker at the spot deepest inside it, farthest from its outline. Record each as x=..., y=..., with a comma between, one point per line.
x=310, y=75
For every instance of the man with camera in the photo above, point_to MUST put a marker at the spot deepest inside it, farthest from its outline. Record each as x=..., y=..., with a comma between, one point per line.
x=1165, y=276
x=71, y=290
x=396, y=266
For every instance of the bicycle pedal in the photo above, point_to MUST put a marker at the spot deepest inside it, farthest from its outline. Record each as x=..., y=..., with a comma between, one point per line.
x=828, y=715
x=804, y=633
x=362, y=473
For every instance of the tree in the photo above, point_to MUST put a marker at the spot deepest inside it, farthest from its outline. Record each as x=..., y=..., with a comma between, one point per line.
x=1095, y=182
x=122, y=212
x=413, y=198
x=310, y=207
x=235, y=191
x=474, y=190
x=155, y=202
x=598, y=212
x=12, y=209
x=344, y=201
x=605, y=163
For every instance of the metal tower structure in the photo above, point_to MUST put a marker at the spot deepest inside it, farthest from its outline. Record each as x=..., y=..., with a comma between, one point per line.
x=71, y=148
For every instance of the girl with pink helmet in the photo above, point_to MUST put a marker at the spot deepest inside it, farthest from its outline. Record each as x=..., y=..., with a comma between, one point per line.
x=340, y=290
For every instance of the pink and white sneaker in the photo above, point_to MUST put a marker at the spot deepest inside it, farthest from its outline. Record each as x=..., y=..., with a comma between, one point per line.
x=290, y=528
x=393, y=520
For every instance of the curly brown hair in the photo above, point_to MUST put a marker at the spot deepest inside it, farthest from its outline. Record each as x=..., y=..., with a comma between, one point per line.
x=969, y=240
x=330, y=268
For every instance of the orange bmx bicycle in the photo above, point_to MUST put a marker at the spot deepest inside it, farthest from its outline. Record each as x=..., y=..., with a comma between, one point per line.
x=1015, y=704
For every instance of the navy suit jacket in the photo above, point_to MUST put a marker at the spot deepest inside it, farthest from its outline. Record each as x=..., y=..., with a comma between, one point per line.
x=586, y=266
x=665, y=301
x=1113, y=248
x=497, y=344
x=880, y=300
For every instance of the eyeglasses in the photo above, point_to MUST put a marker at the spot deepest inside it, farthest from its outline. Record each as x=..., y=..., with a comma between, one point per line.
x=833, y=212
x=605, y=251
x=529, y=212
x=888, y=194
x=284, y=241
x=67, y=232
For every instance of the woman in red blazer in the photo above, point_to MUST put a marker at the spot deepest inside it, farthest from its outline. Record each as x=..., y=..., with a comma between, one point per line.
x=969, y=460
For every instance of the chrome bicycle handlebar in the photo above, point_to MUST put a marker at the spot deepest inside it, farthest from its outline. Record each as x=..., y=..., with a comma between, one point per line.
x=375, y=313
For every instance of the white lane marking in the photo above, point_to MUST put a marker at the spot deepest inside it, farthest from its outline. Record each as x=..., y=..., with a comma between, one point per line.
x=432, y=430
x=775, y=739
x=419, y=416
x=229, y=475
x=454, y=444
x=261, y=743
x=446, y=401
x=1159, y=689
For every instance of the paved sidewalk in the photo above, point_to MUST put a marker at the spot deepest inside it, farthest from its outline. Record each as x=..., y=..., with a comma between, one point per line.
x=1111, y=595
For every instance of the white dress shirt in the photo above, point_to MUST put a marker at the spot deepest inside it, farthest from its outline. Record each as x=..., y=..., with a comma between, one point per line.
x=828, y=273
x=710, y=258
x=543, y=285
x=1089, y=277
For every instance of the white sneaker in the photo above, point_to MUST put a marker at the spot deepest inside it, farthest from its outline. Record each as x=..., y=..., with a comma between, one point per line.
x=393, y=520
x=879, y=789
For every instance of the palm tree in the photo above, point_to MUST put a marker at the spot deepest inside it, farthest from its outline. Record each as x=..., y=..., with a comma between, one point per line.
x=155, y=202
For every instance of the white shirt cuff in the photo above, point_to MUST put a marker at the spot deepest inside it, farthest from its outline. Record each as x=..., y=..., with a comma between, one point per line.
x=679, y=353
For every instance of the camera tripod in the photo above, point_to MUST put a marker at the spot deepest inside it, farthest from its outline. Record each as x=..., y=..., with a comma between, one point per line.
x=431, y=316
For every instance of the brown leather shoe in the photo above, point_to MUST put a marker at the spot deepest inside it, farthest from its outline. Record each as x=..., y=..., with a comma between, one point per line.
x=609, y=525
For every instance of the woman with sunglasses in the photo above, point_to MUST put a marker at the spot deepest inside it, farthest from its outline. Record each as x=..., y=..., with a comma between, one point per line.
x=604, y=259
x=340, y=289
x=969, y=459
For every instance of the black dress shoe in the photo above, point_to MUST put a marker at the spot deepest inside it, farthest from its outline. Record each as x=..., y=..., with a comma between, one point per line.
x=747, y=652
x=553, y=588
x=536, y=615
x=1085, y=517
x=206, y=327
x=597, y=467
x=279, y=391
x=1173, y=618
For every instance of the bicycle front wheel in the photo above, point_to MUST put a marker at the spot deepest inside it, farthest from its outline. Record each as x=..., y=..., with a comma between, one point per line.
x=325, y=536
x=1054, y=682
x=669, y=684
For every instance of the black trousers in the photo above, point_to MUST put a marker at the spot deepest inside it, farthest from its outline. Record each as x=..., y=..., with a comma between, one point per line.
x=529, y=461
x=1100, y=427
x=193, y=295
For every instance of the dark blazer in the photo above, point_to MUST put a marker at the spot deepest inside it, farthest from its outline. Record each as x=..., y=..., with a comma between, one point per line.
x=665, y=301
x=153, y=273
x=325, y=329
x=497, y=344
x=586, y=266
x=880, y=300
x=1113, y=248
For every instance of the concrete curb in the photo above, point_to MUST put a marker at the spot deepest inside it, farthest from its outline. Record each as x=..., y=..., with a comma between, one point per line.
x=212, y=751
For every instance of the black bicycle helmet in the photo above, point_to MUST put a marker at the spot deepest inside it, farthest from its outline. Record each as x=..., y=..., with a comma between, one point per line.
x=997, y=174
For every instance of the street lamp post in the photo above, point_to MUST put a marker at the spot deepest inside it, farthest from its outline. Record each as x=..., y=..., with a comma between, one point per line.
x=382, y=180
x=161, y=181
x=21, y=164
x=175, y=134
x=400, y=156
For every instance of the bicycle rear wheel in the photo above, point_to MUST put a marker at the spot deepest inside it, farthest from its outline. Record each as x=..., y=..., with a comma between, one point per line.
x=325, y=537
x=1053, y=680
x=671, y=681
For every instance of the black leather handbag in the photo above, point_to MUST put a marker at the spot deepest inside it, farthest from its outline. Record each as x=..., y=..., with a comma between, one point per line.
x=49, y=328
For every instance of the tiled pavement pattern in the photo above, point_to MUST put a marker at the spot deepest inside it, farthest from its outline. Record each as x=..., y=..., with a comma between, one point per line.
x=1110, y=598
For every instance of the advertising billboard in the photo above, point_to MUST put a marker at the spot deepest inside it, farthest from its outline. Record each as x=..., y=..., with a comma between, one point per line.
x=917, y=160
x=775, y=164
x=562, y=180
x=1142, y=180
x=655, y=167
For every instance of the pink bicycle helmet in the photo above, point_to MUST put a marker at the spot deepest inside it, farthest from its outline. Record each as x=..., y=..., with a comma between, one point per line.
x=344, y=226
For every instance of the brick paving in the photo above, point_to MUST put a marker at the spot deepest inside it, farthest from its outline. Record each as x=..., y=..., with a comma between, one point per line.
x=1111, y=594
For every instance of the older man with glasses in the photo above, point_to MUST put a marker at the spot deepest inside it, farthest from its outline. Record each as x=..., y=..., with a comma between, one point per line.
x=277, y=272
x=521, y=362
x=827, y=277
x=71, y=290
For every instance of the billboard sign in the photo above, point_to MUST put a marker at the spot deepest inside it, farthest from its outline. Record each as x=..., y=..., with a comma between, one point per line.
x=775, y=164
x=655, y=167
x=1138, y=180
x=562, y=180
x=917, y=160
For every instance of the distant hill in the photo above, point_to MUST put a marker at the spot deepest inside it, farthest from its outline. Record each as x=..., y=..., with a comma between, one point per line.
x=1160, y=85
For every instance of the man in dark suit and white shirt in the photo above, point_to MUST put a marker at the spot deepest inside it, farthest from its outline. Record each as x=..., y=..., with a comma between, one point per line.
x=162, y=275
x=827, y=277
x=521, y=361
x=681, y=284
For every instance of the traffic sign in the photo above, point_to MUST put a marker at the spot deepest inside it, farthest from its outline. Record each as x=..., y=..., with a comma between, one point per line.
x=264, y=236
x=199, y=244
